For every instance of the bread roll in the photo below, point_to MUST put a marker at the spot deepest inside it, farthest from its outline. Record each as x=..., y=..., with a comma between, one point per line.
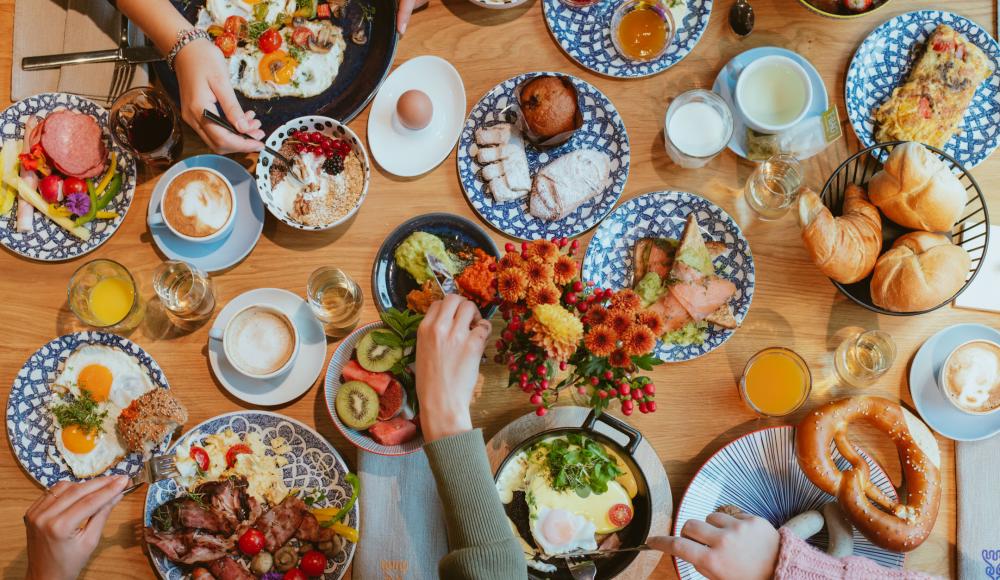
x=844, y=248
x=916, y=190
x=921, y=271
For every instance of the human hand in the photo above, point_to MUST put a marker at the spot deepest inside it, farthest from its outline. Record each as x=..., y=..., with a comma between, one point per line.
x=723, y=546
x=406, y=8
x=64, y=526
x=203, y=76
x=450, y=343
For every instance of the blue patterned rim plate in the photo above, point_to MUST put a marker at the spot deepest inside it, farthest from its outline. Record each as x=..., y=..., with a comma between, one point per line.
x=585, y=35
x=30, y=426
x=609, y=261
x=760, y=474
x=49, y=242
x=361, y=440
x=313, y=464
x=603, y=130
x=327, y=126
x=883, y=62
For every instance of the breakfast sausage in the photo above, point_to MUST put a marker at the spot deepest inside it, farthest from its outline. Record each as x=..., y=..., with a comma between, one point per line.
x=840, y=531
x=805, y=525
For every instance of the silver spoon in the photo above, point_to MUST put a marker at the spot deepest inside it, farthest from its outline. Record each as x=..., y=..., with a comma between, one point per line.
x=741, y=17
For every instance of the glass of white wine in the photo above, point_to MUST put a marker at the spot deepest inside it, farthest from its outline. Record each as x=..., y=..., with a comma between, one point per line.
x=335, y=299
x=865, y=357
x=774, y=186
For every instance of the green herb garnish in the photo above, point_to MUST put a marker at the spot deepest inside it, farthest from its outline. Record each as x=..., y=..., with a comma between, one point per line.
x=255, y=29
x=83, y=411
x=404, y=325
x=198, y=498
x=314, y=498
x=578, y=463
x=368, y=12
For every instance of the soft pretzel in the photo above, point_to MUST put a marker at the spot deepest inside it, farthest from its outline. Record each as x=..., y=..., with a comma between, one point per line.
x=888, y=523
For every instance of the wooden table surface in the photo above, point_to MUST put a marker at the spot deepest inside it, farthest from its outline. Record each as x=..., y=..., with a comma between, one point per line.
x=699, y=407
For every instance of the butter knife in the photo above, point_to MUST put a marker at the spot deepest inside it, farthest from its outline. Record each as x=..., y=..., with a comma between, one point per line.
x=604, y=553
x=130, y=54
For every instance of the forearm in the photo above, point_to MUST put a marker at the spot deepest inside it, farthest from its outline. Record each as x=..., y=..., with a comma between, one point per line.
x=797, y=560
x=158, y=19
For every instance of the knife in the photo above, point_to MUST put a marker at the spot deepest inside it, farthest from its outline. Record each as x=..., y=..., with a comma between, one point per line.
x=130, y=54
x=604, y=553
x=441, y=274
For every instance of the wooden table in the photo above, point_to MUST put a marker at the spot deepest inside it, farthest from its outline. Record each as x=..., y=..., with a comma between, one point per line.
x=699, y=407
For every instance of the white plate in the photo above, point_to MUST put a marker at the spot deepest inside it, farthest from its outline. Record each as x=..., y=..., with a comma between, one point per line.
x=407, y=153
x=308, y=362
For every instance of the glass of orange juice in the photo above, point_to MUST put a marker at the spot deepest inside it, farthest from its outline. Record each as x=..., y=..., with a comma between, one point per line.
x=775, y=382
x=103, y=294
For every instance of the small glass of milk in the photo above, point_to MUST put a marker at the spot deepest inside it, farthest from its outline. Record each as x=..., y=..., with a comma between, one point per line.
x=698, y=126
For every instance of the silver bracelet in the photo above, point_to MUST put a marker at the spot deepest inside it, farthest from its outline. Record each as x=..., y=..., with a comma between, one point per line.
x=184, y=38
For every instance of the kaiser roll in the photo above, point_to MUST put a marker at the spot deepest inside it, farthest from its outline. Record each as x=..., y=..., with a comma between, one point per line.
x=916, y=190
x=921, y=271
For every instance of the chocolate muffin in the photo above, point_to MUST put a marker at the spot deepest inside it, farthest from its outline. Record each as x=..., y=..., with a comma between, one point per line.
x=549, y=106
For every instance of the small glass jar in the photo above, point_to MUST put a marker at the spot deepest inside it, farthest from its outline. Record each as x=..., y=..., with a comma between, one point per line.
x=697, y=127
x=657, y=10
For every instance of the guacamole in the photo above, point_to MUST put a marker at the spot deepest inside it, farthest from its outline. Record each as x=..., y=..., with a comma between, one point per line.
x=410, y=255
x=650, y=289
x=692, y=333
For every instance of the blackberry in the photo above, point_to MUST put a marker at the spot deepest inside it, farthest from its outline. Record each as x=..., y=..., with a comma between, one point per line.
x=334, y=165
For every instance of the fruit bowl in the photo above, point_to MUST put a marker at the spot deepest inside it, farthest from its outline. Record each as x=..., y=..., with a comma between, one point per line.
x=818, y=8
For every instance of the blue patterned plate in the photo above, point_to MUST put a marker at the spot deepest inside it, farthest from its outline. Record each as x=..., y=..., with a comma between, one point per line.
x=313, y=465
x=662, y=214
x=584, y=33
x=49, y=242
x=760, y=474
x=30, y=426
x=603, y=130
x=883, y=62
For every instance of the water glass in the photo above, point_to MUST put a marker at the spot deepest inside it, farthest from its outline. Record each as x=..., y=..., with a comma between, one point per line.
x=145, y=122
x=865, y=357
x=185, y=291
x=102, y=293
x=335, y=299
x=697, y=127
x=774, y=186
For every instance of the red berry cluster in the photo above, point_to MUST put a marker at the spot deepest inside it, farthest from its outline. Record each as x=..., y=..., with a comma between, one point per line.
x=632, y=392
x=319, y=144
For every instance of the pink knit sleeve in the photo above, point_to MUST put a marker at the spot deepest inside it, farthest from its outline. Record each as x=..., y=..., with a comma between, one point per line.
x=797, y=560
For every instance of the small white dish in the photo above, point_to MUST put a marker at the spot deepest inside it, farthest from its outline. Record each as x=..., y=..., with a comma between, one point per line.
x=409, y=153
x=743, y=97
x=308, y=363
x=931, y=403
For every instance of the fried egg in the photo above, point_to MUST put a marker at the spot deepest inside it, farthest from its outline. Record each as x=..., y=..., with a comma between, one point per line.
x=279, y=74
x=557, y=531
x=594, y=508
x=90, y=454
x=216, y=11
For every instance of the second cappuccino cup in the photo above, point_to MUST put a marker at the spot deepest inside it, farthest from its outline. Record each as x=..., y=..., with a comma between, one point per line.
x=198, y=205
x=259, y=341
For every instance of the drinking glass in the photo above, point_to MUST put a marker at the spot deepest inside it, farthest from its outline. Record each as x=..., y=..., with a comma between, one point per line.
x=775, y=382
x=185, y=291
x=719, y=105
x=102, y=293
x=145, y=122
x=335, y=300
x=865, y=357
x=774, y=186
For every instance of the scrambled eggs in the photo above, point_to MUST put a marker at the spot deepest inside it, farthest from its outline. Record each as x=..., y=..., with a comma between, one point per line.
x=261, y=467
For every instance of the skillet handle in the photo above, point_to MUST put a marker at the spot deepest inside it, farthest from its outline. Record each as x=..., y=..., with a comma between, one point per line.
x=634, y=437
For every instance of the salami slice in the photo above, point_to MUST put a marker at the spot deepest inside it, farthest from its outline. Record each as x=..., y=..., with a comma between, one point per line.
x=73, y=143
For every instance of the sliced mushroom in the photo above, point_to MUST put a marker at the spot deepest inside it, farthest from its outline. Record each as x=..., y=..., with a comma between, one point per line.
x=337, y=8
x=359, y=35
x=322, y=40
x=286, y=558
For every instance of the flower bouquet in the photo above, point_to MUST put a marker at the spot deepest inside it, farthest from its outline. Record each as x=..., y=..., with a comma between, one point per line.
x=554, y=321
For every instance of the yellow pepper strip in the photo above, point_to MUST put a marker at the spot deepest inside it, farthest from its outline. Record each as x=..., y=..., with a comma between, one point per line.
x=350, y=534
x=59, y=210
x=103, y=184
x=106, y=215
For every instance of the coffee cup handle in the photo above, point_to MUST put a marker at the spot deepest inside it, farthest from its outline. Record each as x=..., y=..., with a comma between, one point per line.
x=215, y=333
x=156, y=219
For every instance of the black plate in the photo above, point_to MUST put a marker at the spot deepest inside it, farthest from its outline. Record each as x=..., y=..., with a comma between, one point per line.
x=638, y=529
x=362, y=72
x=391, y=284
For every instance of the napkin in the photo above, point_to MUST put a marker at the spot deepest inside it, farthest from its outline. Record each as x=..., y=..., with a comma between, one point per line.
x=982, y=293
x=403, y=534
x=69, y=26
x=978, y=509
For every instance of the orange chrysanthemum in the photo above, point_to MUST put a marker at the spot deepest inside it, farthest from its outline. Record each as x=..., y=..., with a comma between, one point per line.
x=620, y=321
x=512, y=285
x=620, y=359
x=653, y=321
x=598, y=315
x=537, y=272
x=626, y=300
x=511, y=260
x=601, y=340
x=547, y=294
x=638, y=341
x=554, y=329
x=564, y=270
x=544, y=250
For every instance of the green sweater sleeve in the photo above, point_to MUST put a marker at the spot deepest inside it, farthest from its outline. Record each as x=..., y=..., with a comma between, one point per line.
x=480, y=539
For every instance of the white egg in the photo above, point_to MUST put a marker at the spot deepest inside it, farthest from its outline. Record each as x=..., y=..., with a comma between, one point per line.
x=313, y=74
x=558, y=531
x=93, y=454
x=109, y=374
x=216, y=11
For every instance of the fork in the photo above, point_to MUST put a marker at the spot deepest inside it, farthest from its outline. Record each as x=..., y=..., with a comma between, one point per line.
x=585, y=570
x=122, y=77
x=158, y=468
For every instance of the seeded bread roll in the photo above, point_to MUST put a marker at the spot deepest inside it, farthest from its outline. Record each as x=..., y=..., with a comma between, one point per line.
x=921, y=271
x=150, y=419
x=916, y=190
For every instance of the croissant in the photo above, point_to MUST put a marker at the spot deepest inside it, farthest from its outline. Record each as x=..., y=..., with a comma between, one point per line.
x=844, y=248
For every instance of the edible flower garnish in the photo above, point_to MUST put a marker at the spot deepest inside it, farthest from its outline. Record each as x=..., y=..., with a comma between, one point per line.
x=35, y=160
x=77, y=203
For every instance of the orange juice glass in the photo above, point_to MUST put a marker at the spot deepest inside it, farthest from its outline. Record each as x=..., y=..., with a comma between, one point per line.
x=103, y=294
x=775, y=382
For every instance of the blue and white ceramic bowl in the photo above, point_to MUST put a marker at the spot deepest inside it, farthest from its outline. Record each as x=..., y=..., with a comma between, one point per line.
x=585, y=35
x=313, y=465
x=602, y=130
x=609, y=261
x=884, y=60
x=49, y=242
x=759, y=474
x=30, y=425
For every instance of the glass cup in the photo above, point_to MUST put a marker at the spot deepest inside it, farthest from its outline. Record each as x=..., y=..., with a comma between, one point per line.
x=102, y=293
x=864, y=358
x=145, y=122
x=185, y=291
x=335, y=300
x=659, y=10
x=580, y=3
x=774, y=186
x=697, y=127
x=775, y=382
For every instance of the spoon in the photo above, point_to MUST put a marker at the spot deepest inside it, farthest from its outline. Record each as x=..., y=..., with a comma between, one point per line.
x=741, y=17
x=215, y=118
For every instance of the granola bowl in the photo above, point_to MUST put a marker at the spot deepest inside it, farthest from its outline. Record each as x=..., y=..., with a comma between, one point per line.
x=329, y=178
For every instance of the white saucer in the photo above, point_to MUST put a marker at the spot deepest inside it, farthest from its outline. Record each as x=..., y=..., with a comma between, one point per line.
x=308, y=362
x=933, y=407
x=407, y=153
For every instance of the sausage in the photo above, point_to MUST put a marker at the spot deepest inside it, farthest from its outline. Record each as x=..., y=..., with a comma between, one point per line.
x=840, y=530
x=805, y=525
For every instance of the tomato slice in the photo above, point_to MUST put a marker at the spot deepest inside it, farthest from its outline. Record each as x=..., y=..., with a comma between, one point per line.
x=201, y=457
x=236, y=25
x=323, y=10
x=226, y=43
x=238, y=449
x=270, y=41
x=620, y=515
x=300, y=37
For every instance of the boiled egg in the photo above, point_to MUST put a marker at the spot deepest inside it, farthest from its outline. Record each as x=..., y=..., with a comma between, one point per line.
x=109, y=374
x=414, y=109
x=557, y=531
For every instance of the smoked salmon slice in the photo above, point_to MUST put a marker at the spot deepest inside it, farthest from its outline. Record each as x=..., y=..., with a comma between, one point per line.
x=672, y=312
x=701, y=298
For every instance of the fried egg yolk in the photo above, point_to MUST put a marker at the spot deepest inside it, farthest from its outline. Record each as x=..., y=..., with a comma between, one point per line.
x=79, y=441
x=277, y=67
x=97, y=380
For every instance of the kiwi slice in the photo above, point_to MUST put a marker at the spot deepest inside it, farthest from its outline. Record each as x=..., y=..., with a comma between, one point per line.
x=357, y=405
x=378, y=358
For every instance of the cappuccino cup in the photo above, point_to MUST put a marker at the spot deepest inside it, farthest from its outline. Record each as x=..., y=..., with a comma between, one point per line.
x=198, y=205
x=970, y=377
x=259, y=341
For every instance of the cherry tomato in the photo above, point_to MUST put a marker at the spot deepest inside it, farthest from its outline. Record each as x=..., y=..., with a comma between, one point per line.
x=201, y=457
x=74, y=185
x=323, y=10
x=294, y=574
x=51, y=187
x=226, y=43
x=251, y=542
x=236, y=25
x=235, y=450
x=300, y=37
x=270, y=41
x=620, y=515
x=313, y=563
